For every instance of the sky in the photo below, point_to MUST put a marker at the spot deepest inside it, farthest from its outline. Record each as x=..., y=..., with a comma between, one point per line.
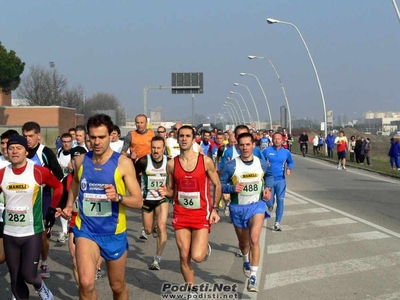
x=119, y=47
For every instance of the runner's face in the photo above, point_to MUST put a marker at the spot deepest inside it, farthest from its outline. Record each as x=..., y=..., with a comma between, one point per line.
x=277, y=140
x=206, y=137
x=72, y=133
x=99, y=139
x=157, y=150
x=114, y=136
x=246, y=147
x=239, y=132
x=17, y=154
x=80, y=137
x=185, y=139
x=4, y=147
x=219, y=139
x=141, y=123
x=32, y=138
x=66, y=143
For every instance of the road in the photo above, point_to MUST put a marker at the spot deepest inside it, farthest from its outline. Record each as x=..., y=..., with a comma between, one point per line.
x=340, y=240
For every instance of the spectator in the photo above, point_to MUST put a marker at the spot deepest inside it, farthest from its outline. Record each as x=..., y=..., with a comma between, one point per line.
x=362, y=150
x=315, y=145
x=357, y=149
x=368, y=150
x=58, y=143
x=351, y=147
x=330, y=143
x=320, y=143
x=303, y=139
x=392, y=154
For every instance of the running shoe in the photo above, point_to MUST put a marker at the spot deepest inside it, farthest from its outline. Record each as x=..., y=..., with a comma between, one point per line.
x=98, y=274
x=338, y=167
x=246, y=269
x=12, y=297
x=62, y=237
x=277, y=227
x=227, y=213
x=155, y=231
x=208, y=254
x=143, y=235
x=44, y=271
x=344, y=168
x=239, y=253
x=271, y=208
x=252, y=284
x=155, y=265
x=44, y=293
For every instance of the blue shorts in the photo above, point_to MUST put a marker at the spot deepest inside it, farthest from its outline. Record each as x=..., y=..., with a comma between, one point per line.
x=341, y=154
x=112, y=247
x=242, y=213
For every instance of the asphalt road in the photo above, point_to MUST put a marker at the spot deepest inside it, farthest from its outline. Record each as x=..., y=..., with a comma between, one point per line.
x=340, y=240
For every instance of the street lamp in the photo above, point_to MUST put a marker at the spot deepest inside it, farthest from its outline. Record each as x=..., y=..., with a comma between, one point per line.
x=265, y=97
x=273, y=21
x=231, y=105
x=283, y=87
x=230, y=115
x=241, y=111
x=252, y=98
x=245, y=105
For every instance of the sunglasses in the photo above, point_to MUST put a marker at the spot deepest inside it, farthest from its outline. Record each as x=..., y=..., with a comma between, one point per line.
x=160, y=131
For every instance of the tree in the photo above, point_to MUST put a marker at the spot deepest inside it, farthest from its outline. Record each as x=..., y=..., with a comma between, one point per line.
x=11, y=68
x=105, y=101
x=43, y=87
x=75, y=98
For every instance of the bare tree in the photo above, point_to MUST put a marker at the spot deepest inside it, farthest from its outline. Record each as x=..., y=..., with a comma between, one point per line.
x=105, y=101
x=42, y=86
x=75, y=98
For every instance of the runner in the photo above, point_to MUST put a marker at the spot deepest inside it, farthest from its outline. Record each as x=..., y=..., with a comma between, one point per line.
x=249, y=180
x=189, y=176
x=21, y=183
x=116, y=144
x=154, y=174
x=278, y=158
x=42, y=156
x=100, y=227
x=172, y=144
x=80, y=136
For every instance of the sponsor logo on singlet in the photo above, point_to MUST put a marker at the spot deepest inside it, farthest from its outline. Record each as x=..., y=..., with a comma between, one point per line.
x=83, y=184
x=249, y=175
x=17, y=186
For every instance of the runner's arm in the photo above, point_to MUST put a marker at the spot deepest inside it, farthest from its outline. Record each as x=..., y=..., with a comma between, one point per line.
x=225, y=178
x=128, y=173
x=52, y=163
x=213, y=175
x=127, y=143
x=44, y=176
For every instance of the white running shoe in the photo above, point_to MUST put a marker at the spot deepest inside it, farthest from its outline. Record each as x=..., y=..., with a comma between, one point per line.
x=44, y=293
x=143, y=235
x=62, y=237
x=252, y=284
x=208, y=254
x=155, y=265
x=239, y=253
x=277, y=227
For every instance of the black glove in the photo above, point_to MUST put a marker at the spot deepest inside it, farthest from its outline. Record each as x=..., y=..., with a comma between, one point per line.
x=50, y=217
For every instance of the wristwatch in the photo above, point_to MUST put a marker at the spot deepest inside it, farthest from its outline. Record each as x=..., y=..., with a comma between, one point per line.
x=120, y=198
x=216, y=208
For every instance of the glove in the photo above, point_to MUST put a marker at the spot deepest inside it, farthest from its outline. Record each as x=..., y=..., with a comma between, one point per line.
x=50, y=217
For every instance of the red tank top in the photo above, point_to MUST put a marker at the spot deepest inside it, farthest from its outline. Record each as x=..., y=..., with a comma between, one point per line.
x=192, y=198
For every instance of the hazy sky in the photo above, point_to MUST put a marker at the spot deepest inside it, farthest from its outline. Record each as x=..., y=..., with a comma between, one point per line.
x=121, y=46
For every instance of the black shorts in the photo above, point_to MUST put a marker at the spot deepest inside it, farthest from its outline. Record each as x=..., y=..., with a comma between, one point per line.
x=1, y=229
x=150, y=205
x=341, y=154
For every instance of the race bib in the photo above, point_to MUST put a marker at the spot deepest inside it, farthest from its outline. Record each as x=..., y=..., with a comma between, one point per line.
x=154, y=182
x=17, y=216
x=189, y=200
x=96, y=205
x=251, y=187
x=75, y=206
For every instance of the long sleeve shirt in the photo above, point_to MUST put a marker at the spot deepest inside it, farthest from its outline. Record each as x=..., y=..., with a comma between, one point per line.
x=277, y=160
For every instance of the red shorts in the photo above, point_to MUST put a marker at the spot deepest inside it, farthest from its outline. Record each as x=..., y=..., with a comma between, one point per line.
x=182, y=222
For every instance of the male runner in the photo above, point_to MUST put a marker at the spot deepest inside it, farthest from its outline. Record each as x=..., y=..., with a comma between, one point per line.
x=278, y=157
x=154, y=174
x=249, y=180
x=80, y=136
x=21, y=182
x=42, y=156
x=189, y=176
x=101, y=181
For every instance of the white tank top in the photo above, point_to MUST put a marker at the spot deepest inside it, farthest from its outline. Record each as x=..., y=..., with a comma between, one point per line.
x=153, y=178
x=23, y=202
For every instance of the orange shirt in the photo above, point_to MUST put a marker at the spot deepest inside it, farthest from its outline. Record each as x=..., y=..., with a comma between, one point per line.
x=141, y=143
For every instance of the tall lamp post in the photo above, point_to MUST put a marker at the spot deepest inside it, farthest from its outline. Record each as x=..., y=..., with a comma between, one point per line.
x=241, y=111
x=265, y=96
x=230, y=115
x=245, y=105
x=252, y=98
x=233, y=107
x=282, y=86
x=396, y=9
x=273, y=21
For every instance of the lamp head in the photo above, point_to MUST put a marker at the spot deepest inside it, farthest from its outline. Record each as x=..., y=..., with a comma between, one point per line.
x=236, y=84
x=252, y=56
x=242, y=74
x=231, y=92
x=272, y=21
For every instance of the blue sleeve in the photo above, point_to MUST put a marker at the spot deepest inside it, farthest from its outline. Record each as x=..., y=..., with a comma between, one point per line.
x=289, y=160
x=226, y=175
x=224, y=158
x=257, y=152
x=264, y=153
x=268, y=176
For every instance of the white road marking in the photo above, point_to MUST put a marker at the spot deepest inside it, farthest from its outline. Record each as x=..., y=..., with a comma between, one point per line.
x=388, y=231
x=320, y=223
x=327, y=241
x=392, y=296
x=294, y=201
x=321, y=271
x=305, y=211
